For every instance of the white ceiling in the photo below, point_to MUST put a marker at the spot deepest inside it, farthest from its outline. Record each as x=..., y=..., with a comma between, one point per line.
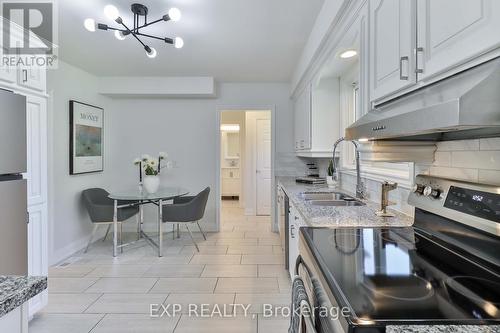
x=232, y=40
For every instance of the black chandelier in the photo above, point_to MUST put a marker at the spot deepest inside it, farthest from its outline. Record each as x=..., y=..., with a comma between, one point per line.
x=139, y=11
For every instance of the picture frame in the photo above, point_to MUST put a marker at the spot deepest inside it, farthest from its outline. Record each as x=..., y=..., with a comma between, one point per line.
x=86, y=132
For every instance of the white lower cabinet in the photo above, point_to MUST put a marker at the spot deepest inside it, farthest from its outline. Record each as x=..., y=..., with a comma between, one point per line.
x=15, y=321
x=295, y=221
x=37, y=252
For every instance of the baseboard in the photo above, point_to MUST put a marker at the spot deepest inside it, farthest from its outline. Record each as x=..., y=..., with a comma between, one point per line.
x=67, y=251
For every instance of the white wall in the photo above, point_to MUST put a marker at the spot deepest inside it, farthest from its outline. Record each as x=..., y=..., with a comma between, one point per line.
x=69, y=225
x=187, y=129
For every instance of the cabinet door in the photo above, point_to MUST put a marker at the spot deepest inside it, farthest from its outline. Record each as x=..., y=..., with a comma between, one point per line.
x=37, y=251
x=8, y=74
x=293, y=240
x=303, y=120
x=451, y=32
x=37, y=194
x=33, y=78
x=37, y=149
x=392, y=41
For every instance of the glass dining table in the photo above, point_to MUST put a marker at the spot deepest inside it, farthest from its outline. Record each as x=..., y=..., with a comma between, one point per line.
x=139, y=197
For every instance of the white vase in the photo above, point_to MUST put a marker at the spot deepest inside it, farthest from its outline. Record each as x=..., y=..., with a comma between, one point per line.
x=332, y=183
x=151, y=184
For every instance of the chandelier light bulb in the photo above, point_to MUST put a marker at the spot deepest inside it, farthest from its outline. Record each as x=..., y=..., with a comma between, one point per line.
x=174, y=14
x=119, y=35
x=89, y=24
x=152, y=54
x=111, y=12
x=178, y=43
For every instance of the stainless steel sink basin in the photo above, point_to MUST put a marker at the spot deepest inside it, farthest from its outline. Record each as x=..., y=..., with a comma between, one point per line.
x=337, y=203
x=323, y=196
x=331, y=199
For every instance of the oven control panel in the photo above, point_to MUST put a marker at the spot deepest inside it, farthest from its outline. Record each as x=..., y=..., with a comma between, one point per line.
x=481, y=204
x=473, y=204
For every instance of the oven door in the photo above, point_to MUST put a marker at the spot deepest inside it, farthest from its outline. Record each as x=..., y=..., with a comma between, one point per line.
x=327, y=314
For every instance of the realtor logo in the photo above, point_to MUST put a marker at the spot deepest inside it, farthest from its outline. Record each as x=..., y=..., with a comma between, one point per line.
x=29, y=33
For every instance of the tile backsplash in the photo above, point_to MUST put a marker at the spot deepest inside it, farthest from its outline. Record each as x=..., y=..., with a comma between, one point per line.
x=472, y=160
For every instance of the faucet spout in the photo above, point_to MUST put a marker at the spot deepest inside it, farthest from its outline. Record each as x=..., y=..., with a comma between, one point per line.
x=360, y=186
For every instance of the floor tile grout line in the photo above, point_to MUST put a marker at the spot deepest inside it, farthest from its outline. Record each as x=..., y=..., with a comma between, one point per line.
x=98, y=322
x=154, y=284
x=92, y=303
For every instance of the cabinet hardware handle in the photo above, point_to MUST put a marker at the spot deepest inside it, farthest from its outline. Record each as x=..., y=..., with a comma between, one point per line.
x=25, y=75
x=296, y=218
x=292, y=228
x=401, y=76
x=419, y=52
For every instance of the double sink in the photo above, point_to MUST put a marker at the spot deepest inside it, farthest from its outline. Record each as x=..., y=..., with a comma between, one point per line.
x=333, y=199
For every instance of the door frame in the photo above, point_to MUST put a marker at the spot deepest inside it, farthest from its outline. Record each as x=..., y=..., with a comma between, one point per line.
x=218, y=176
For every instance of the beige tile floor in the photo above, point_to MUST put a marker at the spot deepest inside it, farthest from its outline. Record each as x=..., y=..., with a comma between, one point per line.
x=243, y=264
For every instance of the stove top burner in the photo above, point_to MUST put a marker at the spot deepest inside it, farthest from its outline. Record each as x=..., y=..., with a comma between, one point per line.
x=418, y=290
x=470, y=287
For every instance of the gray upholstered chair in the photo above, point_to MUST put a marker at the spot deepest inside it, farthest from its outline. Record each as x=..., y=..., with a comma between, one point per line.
x=101, y=209
x=186, y=210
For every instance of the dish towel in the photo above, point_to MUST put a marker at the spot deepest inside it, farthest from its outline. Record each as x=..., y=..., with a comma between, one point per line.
x=298, y=295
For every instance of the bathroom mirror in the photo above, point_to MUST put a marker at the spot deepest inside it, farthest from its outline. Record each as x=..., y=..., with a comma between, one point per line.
x=231, y=144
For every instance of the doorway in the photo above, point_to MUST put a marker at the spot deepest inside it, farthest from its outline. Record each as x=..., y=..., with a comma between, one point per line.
x=246, y=164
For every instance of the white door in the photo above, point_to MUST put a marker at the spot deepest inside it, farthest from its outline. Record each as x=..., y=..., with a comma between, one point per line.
x=263, y=167
x=451, y=32
x=37, y=194
x=393, y=40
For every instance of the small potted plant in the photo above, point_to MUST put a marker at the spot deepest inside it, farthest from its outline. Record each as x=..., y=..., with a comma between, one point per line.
x=151, y=168
x=330, y=178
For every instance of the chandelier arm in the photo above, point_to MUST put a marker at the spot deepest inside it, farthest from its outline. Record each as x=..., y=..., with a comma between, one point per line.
x=133, y=34
x=164, y=39
x=149, y=23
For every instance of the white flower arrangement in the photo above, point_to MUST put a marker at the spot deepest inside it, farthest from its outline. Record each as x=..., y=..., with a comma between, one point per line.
x=151, y=166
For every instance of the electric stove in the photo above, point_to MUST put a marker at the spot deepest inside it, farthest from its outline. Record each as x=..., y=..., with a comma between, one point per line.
x=444, y=270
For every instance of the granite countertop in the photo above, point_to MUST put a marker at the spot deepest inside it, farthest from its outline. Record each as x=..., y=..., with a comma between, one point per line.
x=356, y=216
x=16, y=290
x=352, y=216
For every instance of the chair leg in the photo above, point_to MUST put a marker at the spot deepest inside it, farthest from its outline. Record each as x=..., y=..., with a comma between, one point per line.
x=192, y=238
x=178, y=231
x=91, y=237
x=138, y=226
x=107, y=232
x=199, y=227
x=121, y=237
x=173, y=231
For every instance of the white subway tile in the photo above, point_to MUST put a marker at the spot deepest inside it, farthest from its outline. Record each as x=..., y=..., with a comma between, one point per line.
x=458, y=145
x=442, y=159
x=489, y=160
x=489, y=177
x=489, y=144
x=455, y=173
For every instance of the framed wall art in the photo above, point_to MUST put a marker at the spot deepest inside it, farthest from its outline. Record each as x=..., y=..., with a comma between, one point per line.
x=86, y=146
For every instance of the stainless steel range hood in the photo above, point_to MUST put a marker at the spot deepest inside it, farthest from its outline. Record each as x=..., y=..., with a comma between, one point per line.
x=464, y=106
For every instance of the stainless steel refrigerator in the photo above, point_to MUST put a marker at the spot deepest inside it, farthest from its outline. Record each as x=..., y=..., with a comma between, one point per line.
x=13, y=188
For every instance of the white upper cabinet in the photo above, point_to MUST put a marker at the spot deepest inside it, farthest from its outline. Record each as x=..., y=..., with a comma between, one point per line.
x=33, y=78
x=302, y=117
x=8, y=74
x=451, y=32
x=393, y=34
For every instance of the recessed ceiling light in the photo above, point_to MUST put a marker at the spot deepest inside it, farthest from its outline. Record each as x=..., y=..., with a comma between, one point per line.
x=348, y=54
